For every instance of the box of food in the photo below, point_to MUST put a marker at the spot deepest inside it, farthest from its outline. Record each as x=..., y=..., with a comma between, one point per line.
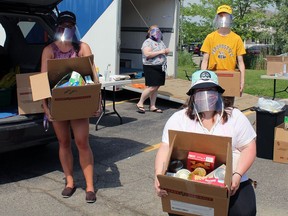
x=70, y=102
x=186, y=197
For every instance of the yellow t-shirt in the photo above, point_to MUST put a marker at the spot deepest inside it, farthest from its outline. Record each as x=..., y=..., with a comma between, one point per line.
x=223, y=50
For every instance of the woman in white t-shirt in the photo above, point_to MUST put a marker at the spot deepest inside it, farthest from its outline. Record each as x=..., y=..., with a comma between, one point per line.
x=205, y=114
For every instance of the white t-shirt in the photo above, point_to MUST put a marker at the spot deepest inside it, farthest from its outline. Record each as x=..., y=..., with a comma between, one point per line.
x=238, y=127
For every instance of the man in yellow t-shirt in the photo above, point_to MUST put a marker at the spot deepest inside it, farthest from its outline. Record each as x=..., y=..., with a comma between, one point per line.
x=223, y=48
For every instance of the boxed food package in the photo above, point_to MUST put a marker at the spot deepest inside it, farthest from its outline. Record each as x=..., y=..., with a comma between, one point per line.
x=280, y=153
x=230, y=81
x=71, y=102
x=186, y=197
x=71, y=79
x=196, y=159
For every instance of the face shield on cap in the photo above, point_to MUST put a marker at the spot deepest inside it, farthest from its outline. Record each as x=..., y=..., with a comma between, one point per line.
x=208, y=101
x=68, y=33
x=156, y=34
x=223, y=20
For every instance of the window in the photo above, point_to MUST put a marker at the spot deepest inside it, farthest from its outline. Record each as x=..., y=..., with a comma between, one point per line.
x=2, y=35
x=33, y=32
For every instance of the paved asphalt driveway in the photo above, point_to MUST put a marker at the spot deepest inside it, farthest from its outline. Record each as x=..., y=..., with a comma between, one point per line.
x=31, y=180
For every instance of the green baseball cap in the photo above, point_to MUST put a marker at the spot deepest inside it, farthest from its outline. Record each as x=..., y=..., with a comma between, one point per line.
x=204, y=79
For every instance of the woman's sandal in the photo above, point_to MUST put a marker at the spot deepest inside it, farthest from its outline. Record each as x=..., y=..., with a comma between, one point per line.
x=157, y=110
x=141, y=109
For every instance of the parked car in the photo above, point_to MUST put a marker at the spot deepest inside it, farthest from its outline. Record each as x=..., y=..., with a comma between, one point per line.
x=26, y=28
x=257, y=49
x=195, y=48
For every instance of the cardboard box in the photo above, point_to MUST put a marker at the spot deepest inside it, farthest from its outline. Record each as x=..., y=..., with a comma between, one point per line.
x=26, y=105
x=72, y=102
x=193, y=198
x=230, y=81
x=275, y=64
x=280, y=154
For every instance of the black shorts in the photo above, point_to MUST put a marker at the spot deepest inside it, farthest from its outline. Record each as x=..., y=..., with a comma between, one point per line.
x=154, y=75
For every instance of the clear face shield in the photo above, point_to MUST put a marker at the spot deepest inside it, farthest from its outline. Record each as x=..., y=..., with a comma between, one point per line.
x=223, y=20
x=210, y=100
x=68, y=33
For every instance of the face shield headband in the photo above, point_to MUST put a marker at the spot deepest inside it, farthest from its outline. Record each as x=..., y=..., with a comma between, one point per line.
x=70, y=34
x=208, y=101
x=223, y=20
x=156, y=34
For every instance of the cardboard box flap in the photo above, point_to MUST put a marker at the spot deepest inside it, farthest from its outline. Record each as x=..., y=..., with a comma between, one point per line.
x=229, y=167
x=58, y=68
x=179, y=185
x=40, y=86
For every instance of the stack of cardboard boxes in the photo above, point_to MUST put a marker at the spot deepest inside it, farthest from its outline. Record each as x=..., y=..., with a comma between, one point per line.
x=280, y=153
x=277, y=65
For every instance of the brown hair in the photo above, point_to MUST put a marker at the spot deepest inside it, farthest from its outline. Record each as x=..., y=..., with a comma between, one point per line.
x=149, y=30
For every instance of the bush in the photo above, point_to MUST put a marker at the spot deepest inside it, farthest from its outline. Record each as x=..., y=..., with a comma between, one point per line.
x=185, y=58
x=255, y=62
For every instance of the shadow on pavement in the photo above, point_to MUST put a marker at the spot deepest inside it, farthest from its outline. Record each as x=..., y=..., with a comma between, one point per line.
x=34, y=162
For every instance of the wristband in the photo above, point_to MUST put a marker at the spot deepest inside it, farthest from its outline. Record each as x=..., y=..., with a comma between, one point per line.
x=237, y=174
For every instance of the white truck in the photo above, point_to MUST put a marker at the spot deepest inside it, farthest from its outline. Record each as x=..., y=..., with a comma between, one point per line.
x=116, y=29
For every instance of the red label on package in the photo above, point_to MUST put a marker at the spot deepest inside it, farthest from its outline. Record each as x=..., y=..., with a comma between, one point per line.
x=196, y=159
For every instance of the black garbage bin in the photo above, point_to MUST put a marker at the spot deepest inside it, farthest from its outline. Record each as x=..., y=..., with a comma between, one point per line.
x=265, y=126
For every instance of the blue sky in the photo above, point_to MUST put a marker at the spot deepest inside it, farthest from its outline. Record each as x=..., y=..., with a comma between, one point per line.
x=190, y=1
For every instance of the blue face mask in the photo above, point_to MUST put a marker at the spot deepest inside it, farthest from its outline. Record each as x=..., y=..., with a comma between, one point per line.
x=156, y=34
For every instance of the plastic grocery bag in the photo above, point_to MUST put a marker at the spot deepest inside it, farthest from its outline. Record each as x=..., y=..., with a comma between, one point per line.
x=270, y=105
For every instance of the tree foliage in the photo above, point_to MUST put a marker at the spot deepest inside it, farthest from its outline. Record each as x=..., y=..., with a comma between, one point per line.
x=248, y=17
x=279, y=23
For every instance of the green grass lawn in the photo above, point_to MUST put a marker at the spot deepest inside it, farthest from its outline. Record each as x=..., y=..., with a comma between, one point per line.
x=254, y=85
